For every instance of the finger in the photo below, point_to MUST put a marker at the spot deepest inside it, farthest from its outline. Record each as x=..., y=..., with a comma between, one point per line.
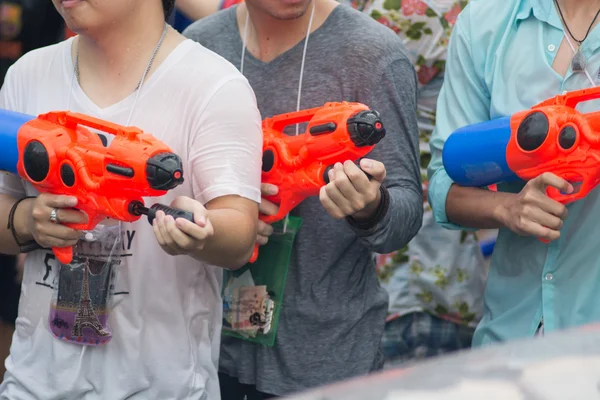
x=357, y=177
x=262, y=240
x=329, y=206
x=194, y=231
x=539, y=231
x=52, y=241
x=54, y=201
x=547, y=204
x=268, y=189
x=264, y=229
x=336, y=196
x=157, y=233
x=342, y=182
x=374, y=168
x=542, y=218
x=549, y=179
x=181, y=239
x=57, y=231
x=70, y=216
x=268, y=208
x=162, y=227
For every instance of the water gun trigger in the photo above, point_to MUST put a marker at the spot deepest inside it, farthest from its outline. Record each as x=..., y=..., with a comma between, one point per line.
x=581, y=187
x=329, y=168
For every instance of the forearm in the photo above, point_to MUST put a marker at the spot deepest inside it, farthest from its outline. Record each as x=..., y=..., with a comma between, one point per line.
x=399, y=225
x=476, y=208
x=233, y=241
x=8, y=245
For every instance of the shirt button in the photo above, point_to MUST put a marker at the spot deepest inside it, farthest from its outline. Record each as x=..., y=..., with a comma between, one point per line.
x=551, y=47
x=549, y=277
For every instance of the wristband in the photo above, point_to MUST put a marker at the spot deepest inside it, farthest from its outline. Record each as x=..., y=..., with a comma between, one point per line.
x=23, y=247
x=378, y=215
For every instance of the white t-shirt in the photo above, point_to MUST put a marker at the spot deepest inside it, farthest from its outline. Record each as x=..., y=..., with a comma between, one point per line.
x=166, y=311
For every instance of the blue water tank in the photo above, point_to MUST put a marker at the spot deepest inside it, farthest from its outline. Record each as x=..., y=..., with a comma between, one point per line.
x=475, y=155
x=10, y=123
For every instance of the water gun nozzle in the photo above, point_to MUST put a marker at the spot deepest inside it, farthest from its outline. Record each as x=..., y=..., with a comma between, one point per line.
x=366, y=128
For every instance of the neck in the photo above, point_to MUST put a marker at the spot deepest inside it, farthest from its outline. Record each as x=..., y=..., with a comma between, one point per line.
x=269, y=37
x=117, y=56
x=579, y=8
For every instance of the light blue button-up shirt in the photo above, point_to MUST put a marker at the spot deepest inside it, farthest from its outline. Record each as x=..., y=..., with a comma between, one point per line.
x=500, y=62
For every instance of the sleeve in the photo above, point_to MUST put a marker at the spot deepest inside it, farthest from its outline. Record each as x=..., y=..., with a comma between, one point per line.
x=11, y=184
x=394, y=96
x=226, y=151
x=463, y=100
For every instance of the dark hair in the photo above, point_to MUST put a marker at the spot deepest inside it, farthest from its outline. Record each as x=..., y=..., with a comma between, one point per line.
x=168, y=6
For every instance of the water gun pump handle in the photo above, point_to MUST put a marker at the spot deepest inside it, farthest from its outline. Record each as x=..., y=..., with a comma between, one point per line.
x=137, y=208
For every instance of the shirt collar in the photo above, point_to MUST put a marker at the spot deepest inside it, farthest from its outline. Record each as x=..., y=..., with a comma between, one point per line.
x=543, y=10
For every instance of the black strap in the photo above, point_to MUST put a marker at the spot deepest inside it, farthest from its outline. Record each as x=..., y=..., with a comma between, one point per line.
x=379, y=214
x=23, y=247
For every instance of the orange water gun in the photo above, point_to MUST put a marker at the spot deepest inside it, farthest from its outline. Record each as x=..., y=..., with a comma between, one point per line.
x=299, y=165
x=552, y=136
x=59, y=154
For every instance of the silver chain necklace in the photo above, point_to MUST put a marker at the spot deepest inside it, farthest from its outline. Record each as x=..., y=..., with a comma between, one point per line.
x=162, y=38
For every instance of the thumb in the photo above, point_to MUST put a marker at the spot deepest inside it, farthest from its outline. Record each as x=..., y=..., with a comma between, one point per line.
x=200, y=214
x=268, y=189
x=374, y=168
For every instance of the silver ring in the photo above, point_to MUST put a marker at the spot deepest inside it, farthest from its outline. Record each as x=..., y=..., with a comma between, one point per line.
x=54, y=216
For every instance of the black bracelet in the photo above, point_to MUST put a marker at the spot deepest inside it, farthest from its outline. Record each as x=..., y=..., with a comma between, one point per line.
x=23, y=247
x=379, y=214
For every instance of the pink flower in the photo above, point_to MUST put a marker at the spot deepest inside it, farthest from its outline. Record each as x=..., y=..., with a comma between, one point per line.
x=451, y=15
x=410, y=7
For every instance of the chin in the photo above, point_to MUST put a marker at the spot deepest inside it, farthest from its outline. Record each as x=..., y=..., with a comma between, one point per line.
x=289, y=13
x=283, y=9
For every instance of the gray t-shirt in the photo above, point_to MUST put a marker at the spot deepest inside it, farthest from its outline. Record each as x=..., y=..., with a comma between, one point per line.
x=334, y=308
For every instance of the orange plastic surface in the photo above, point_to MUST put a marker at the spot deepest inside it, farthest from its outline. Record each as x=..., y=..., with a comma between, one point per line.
x=580, y=164
x=301, y=160
x=100, y=194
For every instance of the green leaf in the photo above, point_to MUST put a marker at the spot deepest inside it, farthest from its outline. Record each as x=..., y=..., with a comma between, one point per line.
x=444, y=23
x=441, y=310
x=392, y=4
x=417, y=26
x=427, y=31
x=430, y=13
x=414, y=35
x=425, y=159
x=376, y=14
x=439, y=64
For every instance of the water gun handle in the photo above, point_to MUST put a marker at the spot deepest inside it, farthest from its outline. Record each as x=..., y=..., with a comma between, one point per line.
x=582, y=185
x=63, y=254
x=70, y=119
x=254, y=254
x=174, y=212
x=287, y=204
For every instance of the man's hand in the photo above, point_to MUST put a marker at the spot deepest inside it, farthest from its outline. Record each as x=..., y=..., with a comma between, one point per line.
x=182, y=236
x=350, y=192
x=533, y=213
x=267, y=208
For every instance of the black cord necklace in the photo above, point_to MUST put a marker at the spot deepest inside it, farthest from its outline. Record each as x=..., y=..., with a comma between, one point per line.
x=578, y=63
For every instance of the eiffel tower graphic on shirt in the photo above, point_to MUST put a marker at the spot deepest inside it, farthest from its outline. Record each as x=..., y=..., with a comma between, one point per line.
x=86, y=317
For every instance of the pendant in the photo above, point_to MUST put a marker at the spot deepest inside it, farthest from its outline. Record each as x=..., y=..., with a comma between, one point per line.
x=578, y=63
